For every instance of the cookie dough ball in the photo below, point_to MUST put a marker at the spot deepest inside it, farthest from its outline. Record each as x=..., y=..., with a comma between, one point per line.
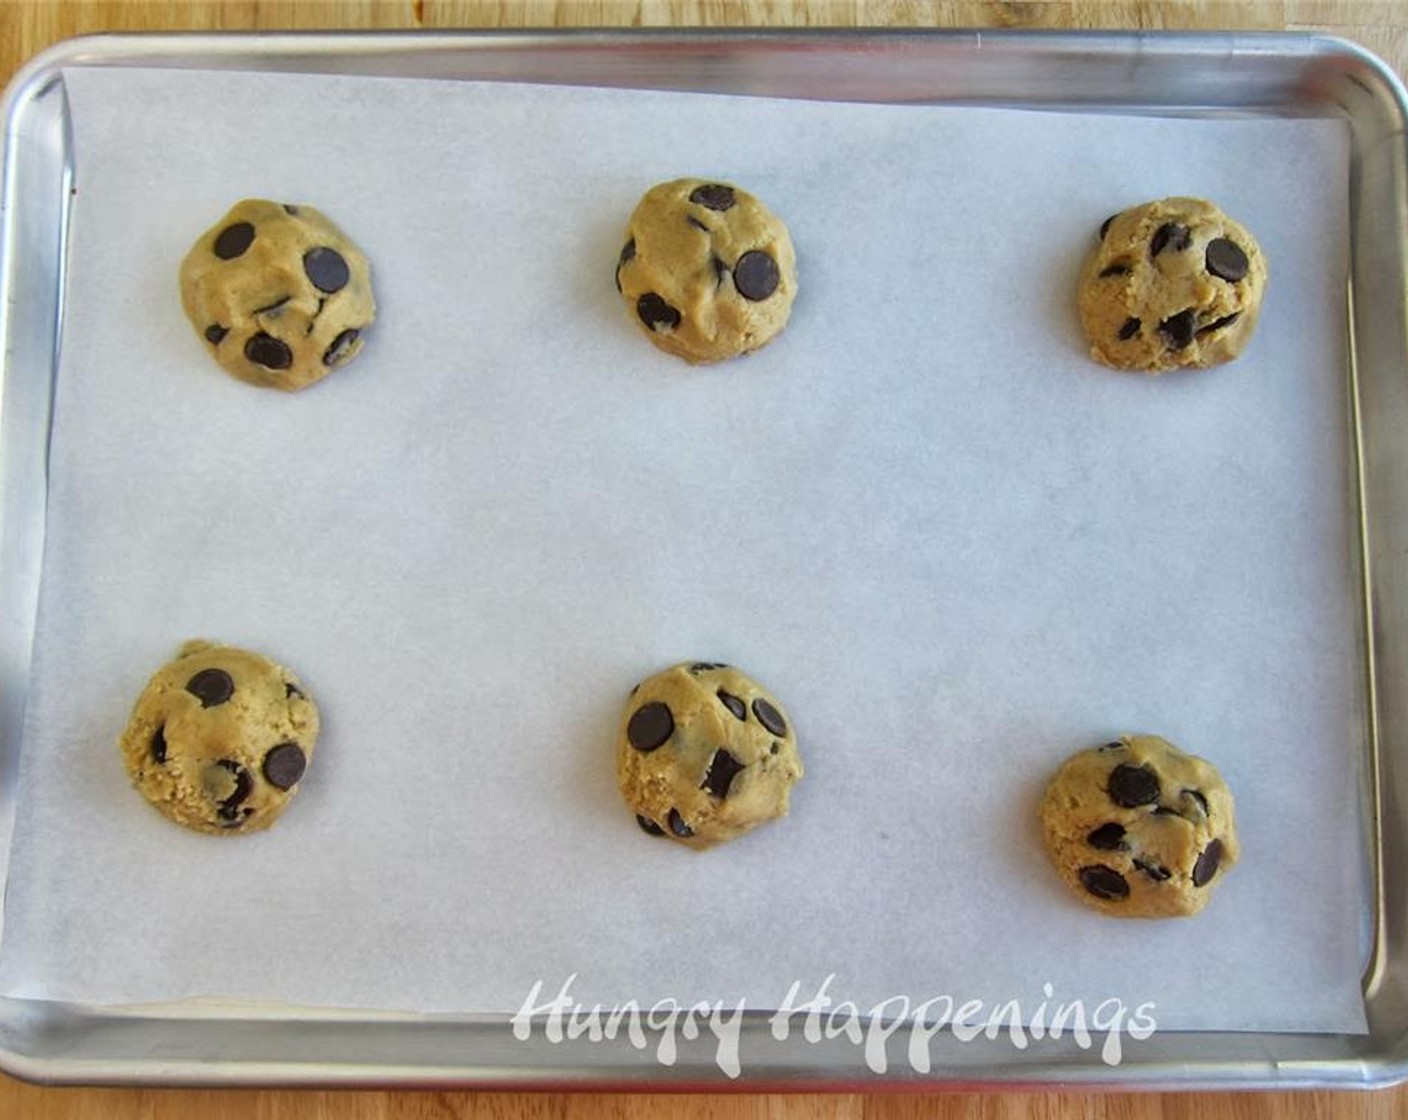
x=707, y=271
x=1139, y=829
x=1171, y=283
x=705, y=754
x=278, y=294
x=220, y=738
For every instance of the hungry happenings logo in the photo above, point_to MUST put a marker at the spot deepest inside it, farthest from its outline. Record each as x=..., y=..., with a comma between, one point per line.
x=819, y=1018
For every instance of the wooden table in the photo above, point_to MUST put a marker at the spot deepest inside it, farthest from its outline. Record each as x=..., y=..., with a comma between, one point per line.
x=28, y=25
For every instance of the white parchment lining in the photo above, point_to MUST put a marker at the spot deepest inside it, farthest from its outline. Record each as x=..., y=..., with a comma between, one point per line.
x=955, y=547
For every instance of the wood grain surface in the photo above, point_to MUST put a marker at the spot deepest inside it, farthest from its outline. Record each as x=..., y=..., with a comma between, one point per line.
x=26, y=26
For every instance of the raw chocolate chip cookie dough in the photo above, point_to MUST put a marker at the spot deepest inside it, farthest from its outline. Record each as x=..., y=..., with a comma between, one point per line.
x=707, y=271
x=1139, y=829
x=278, y=294
x=220, y=738
x=705, y=754
x=1171, y=283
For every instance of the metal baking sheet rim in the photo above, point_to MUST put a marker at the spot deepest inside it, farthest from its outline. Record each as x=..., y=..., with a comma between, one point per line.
x=1191, y=73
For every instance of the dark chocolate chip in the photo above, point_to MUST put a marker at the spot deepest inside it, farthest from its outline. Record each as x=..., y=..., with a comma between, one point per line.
x=655, y=313
x=1105, y=225
x=722, y=769
x=628, y=252
x=733, y=704
x=1152, y=869
x=775, y=748
x=278, y=303
x=1218, y=324
x=1178, y=331
x=769, y=717
x=212, y=687
x=1170, y=235
x=650, y=726
x=697, y=224
x=326, y=268
x=236, y=820
x=1104, y=882
x=1108, y=838
x=705, y=666
x=677, y=825
x=1115, y=270
x=244, y=785
x=715, y=196
x=291, y=689
x=648, y=825
x=215, y=334
x=1207, y=864
x=341, y=347
x=1113, y=746
x=267, y=351
x=1225, y=259
x=1129, y=330
x=1132, y=786
x=284, y=765
x=756, y=275
x=234, y=240
x=159, y=744
x=290, y=209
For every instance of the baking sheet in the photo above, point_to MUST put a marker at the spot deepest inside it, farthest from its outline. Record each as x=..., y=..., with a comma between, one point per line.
x=955, y=548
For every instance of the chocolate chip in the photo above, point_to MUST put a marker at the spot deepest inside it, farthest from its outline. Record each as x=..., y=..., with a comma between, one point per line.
x=267, y=351
x=1132, y=786
x=650, y=726
x=1170, y=235
x=1129, y=330
x=755, y=275
x=733, y=704
x=649, y=826
x=229, y=808
x=769, y=717
x=1207, y=864
x=291, y=689
x=775, y=748
x=1105, y=225
x=1104, y=882
x=677, y=825
x=722, y=769
x=697, y=224
x=159, y=744
x=705, y=666
x=326, y=269
x=1218, y=324
x=1115, y=270
x=234, y=240
x=278, y=303
x=1152, y=869
x=628, y=252
x=1225, y=259
x=212, y=687
x=715, y=196
x=215, y=334
x=284, y=765
x=655, y=313
x=1108, y=838
x=1178, y=331
x=341, y=347
x=1113, y=746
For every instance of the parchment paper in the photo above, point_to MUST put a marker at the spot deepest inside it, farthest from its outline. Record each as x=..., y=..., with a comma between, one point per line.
x=954, y=546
